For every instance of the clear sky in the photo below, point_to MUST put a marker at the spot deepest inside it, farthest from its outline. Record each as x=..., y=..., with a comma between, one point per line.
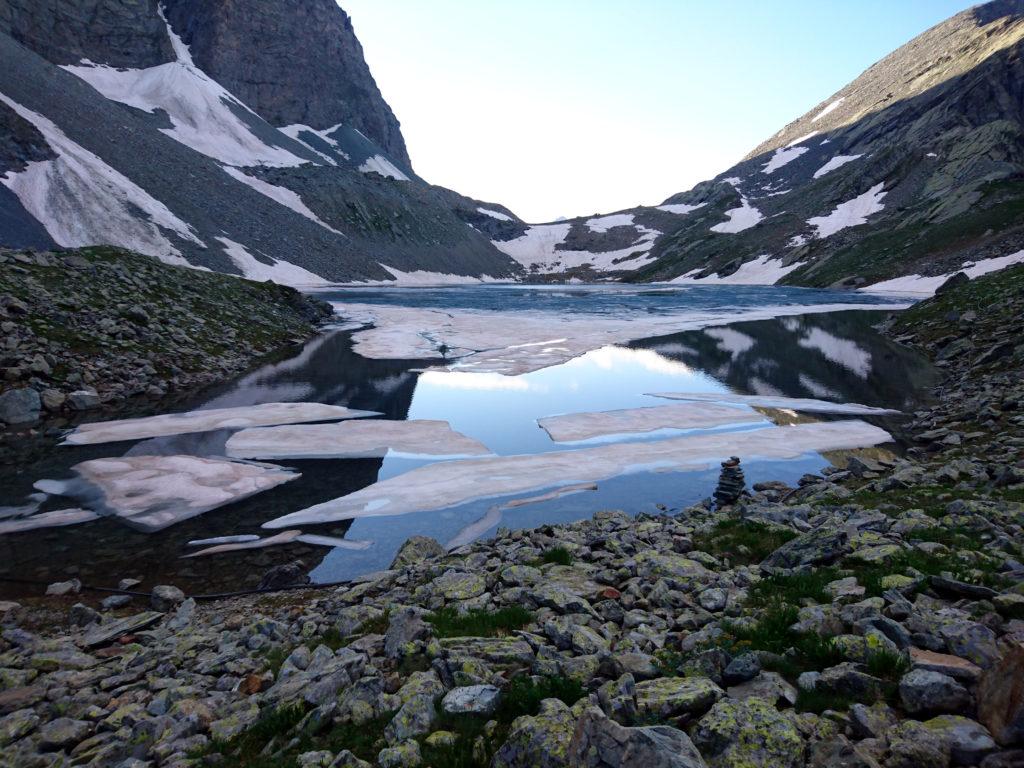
x=573, y=107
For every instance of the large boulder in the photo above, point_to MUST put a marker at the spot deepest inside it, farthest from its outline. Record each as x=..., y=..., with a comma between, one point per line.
x=821, y=546
x=735, y=734
x=19, y=406
x=1001, y=698
x=926, y=692
x=600, y=742
x=666, y=697
x=416, y=549
x=538, y=741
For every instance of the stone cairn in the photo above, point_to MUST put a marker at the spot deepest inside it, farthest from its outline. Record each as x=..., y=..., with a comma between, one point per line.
x=731, y=483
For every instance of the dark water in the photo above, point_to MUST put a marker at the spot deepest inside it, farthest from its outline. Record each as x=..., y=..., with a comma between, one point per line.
x=837, y=356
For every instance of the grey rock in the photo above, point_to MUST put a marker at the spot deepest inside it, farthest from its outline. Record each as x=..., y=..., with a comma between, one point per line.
x=406, y=629
x=63, y=732
x=969, y=742
x=540, y=741
x=19, y=406
x=599, y=742
x=744, y=667
x=751, y=732
x=83, y=400
x=471, y=699
x=61, y=588
x=166, y=597
x=925, y=692
x=416, y=549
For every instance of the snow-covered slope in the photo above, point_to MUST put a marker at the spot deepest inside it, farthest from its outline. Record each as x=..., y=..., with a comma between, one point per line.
x=119, y=137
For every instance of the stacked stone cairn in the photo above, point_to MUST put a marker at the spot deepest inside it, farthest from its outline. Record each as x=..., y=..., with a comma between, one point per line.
x=731, y=483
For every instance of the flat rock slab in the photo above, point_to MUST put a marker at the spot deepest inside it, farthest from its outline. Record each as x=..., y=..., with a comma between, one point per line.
x=355, y=440
x=577, y=427
x=167, y=424
x=448, y=484
x=109, y=631
x=153, y=492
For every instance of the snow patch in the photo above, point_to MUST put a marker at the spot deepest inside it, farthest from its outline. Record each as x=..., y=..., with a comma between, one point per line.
x=740, y=219
x=279, y=271
x=416, y=438
x=383, y=166
x=829, y=109
x=537, y=248
x=836, y=162
x=456, y=482
x=81, y=200
x=763, y=270
x=604, y=223
x=282, y=195
x=296, y=130
x=783, y=156
x=680, y=208
x=423, y=277
x=802, y=139
x=495, y=214
x=852, y=213
x=928, y=285
x=166, y=424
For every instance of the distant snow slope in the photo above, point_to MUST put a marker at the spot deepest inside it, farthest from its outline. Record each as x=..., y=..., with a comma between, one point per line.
x=851, y=213
x=740, y=219
x=764, y=270
x=537, y=248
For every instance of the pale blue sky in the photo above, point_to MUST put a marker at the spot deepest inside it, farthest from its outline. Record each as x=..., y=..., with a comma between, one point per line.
x=573, y=107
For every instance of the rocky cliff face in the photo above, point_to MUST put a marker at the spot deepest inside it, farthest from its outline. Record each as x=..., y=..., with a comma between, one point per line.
x=129, y=123
x=294, y=62
x=914, y=168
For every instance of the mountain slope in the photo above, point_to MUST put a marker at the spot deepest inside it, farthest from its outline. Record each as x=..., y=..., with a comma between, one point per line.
x=915, y=168
x=111, y=133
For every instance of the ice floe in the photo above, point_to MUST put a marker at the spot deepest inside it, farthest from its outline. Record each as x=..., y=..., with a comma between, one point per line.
x=450, y=483
x=278, y=270
x=928, y=285
x=417, y=438
x=763, y=270
x=494, y=515
x=153, y=492
x=280, y=195
x=511, y=343
x=263, y=415
x=54, y=519
x=852, y=213
x=81, y=200
x=243, y=543
x=742, y=218
x=243, y=538
x=805, y=405
x=836, y=162
x=383, y=166
x=495, y=214
x=579, y=427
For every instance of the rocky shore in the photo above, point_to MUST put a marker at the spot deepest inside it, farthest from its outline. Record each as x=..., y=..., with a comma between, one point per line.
x=104, y=328
x=872, y=616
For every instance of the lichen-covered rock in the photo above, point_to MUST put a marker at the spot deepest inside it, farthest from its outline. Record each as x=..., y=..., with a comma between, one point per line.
x=748, y=733
x=599, y=742
x=472, y=699
x=924, y=692
x=821, y=546
x=539, y=741
x=969, y=742
x=416, y=549
x=913, y=745
x=666, y=697
x=406, y=630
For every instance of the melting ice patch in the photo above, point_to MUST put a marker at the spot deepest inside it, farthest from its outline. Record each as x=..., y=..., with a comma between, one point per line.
x=153, y=492
x=281, y=195
x=383, y=166
x=740, y=219
x=448, y=484
x=55, y=519
x=278, y=270
x=805, y=405
x=164, y=425
x=81, y=200
x=579, y=427
x=836, y=162
x=852, y=213
x=418, y=438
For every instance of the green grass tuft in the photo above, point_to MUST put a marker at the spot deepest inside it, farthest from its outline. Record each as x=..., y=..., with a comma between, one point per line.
x=447, y=622
x=743, y=541
x=555, y=555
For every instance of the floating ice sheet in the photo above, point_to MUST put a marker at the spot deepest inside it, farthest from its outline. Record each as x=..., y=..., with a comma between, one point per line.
x=517, y=342
x=448, y=484
x=153, y=492
x=166, y=424
x=55, y=519
x=806, y=405
x=285, y=537
x=576, y=427
x=355, y=440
